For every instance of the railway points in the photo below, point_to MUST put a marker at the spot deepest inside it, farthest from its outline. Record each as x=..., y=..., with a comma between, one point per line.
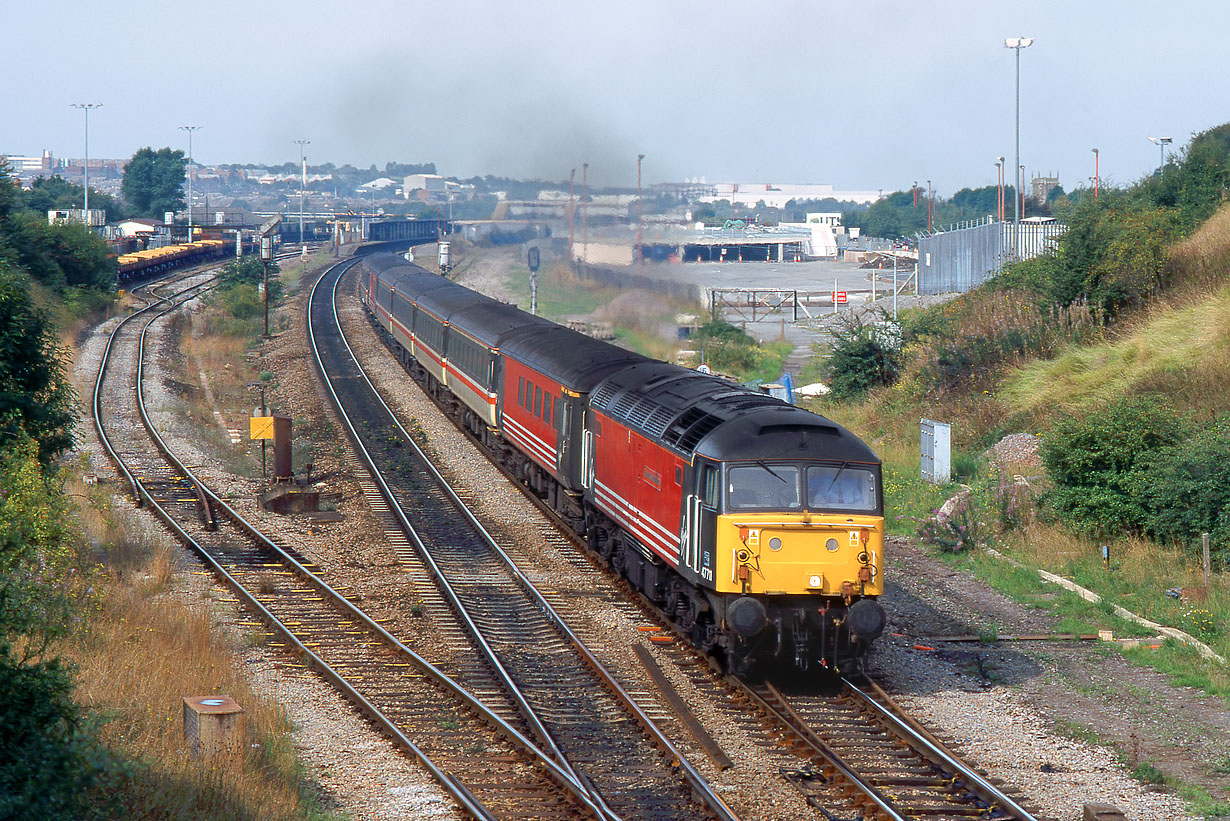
x=557, y=684
x=394, y=688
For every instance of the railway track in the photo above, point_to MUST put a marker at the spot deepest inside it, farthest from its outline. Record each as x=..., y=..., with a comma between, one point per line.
x=868, y=759
x=485, y=763
x=858, y=737
x=531, y=660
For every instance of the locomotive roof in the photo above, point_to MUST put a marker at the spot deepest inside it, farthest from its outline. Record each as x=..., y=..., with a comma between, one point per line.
x=696, y=413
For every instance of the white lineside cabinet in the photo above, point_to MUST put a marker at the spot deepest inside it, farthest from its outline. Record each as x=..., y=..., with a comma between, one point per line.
x=936, y=451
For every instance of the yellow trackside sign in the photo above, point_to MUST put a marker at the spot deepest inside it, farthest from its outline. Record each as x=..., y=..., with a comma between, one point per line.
x=262, y=427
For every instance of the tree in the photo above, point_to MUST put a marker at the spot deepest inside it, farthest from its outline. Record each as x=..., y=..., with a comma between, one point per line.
x=36, y=398
x=55, y=192
x=154, y=181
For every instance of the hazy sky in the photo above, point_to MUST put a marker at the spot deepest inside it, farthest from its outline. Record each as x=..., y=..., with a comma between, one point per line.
x=860, y=94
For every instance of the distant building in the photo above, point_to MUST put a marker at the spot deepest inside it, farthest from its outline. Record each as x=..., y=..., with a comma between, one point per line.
x=46, y=162
x=1042, y=188
x=378, y=184
x=431, y=183
x=131, y=228
x=776, y=195
x=94, y=218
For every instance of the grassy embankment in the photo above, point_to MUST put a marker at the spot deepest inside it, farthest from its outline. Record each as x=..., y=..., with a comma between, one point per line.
x=1172, y=346
x=148, y=643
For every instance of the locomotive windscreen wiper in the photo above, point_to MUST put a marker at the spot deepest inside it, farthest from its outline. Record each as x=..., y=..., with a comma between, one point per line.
x=844, y=465
x=769, y=470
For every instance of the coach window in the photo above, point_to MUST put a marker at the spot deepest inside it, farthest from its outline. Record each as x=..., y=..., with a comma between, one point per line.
x=546, y=407
x=557, y=409
x=537, y=401
x=521, y=390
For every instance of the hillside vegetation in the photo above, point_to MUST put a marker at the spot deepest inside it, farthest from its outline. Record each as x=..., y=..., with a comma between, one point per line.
x=1112, y=351
x=1175, y=346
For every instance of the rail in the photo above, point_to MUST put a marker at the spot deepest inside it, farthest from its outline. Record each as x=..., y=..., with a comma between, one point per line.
x=693, y=777
x=454, y=787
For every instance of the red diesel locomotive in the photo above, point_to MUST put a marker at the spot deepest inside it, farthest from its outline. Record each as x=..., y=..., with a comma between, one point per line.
x=756, y=526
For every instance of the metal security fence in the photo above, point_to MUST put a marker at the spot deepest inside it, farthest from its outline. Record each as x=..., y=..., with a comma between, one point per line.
x=967, y=256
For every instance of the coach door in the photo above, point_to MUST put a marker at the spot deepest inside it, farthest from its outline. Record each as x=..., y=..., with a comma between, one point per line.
x=700, y=519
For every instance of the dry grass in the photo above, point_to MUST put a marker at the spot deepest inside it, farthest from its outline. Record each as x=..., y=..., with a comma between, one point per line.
x=1174, y=346
x=141, y=654
x=1200, y=262
x=1177, y=350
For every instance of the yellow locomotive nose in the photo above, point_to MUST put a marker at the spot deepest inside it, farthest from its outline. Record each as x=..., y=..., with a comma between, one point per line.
x=802, y=555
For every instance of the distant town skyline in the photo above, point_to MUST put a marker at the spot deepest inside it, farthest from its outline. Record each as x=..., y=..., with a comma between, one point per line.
x=864, y=96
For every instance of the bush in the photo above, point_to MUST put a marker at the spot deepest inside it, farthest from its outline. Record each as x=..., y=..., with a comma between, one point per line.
x=1102, y=464
x=986, y=329
x=242, y=300
x=728, y=349
x=1188, y=490
x=862, y=359
x=45, y=760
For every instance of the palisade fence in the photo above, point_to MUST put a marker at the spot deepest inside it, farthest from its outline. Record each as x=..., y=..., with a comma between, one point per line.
x=970, y=253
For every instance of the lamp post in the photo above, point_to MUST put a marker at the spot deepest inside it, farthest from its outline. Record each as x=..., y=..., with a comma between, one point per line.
x=1095, y=173
x=86, y=108
x=640, y=248
x=572, y=212
x=302, y=183
x=189, y=129
x=929, y=205
x=266, y=258
x=1016, y=44
x=914, y=190
x=585, y=208
x=999, y=202
x=1021, y=196
x=1161, y=143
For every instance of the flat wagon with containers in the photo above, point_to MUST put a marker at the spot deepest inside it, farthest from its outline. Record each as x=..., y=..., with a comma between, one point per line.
x=156, y=260
x=757, y=527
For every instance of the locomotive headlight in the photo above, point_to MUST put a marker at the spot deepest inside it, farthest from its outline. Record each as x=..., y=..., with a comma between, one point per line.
x=816, y=580
x=831, y=545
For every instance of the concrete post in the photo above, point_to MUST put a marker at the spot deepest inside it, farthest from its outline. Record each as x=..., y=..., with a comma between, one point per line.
x=1204, y=551
x=213, y=726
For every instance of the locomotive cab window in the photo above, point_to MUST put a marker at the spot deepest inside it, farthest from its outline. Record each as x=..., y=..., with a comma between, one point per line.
x=840, y=487
x=763, y=486
x=710, y=488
